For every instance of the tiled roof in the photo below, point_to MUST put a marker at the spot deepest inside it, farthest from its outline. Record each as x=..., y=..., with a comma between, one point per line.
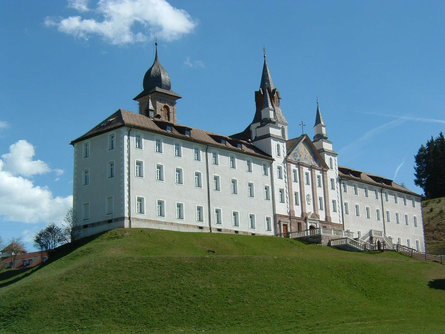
x=130, y=119
x=352, y=174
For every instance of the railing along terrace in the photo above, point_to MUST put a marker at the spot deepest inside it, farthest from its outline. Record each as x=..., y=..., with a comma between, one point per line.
x=320, y=231
x=376, y=233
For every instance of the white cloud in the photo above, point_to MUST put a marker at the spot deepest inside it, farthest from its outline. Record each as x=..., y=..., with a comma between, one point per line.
x=19, y=160
x=79, y=5
x=3, y=125
x=22, y=201
x=193, y=63
x=123, y=22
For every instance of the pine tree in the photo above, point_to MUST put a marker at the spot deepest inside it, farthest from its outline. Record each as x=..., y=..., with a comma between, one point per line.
x=430, y=167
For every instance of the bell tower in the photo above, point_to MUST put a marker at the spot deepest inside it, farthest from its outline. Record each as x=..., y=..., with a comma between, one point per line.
x=157, y=100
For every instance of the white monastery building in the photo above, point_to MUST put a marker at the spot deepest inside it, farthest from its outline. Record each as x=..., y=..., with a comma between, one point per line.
x=144, y=170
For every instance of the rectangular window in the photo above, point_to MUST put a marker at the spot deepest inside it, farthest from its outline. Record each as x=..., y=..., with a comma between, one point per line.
x=278, y=150
x=161, y=208
x=197, y=154
x=406, y=219
x=397, y=218
x=296, y=198
x=415, y=221
x=268, y=224
x=179, y=176
x=234, y=186
x=139, y=169
x=138, y=141
x=399, y=241
x=235, y=218
x=413, y=203
x=408, y=243
x=377, y=214
x=178, y=150
x=320, y=203
x=252, y=221
x=158, y=146
x=279, y=172
x=86, y=177
x=111, y=141
x=319, y=181
x=331, y=164
x=216, y=183
x=159, y=172
x=386, y=196
x=357, y=210
x=110, y=172
x=265, y=170
x=404, y=200
x=345, y=188
x=368, y=213
x=266, y=193
x=199, y=214
x=249, y=166
x=417, y=246
x=140, y=205
x=308, y=179
x=250, y=189
x=281, y=195
x=232, y=162
x=198, y=180
x=376, y=194
x=179, y=210
x=334, y=205
x=109, y=205
x=388, y=217
x=295, y=175
x=355, y=190
x=218, y=216
x=395, y=198
x=86, y=211
x=86, y=150
x=332, y=184
x=346, y=208
x=215, y=158
x=366, y=192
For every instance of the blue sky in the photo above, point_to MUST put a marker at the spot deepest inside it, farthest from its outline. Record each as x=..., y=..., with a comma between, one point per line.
x=378, y=68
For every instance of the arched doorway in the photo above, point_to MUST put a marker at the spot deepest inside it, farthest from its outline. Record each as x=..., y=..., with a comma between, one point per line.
x=312, y=229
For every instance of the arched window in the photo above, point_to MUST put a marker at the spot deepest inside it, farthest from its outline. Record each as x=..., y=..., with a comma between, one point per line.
x=166, y=112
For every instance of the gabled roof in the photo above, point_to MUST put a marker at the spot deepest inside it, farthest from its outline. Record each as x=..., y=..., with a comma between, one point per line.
x=291, y=144
x=130, y=119
x=379, y=181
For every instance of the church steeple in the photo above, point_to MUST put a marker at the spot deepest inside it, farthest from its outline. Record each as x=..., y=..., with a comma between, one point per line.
x=157, y=100
x=266, y=78
x=319, y=126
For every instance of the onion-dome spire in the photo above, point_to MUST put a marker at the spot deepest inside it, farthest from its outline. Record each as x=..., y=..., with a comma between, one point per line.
x=156, y=76
x=266, y=78
x=318, y=117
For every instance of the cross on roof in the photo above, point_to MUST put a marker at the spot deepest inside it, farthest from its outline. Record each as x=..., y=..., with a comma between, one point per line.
x=302, y=127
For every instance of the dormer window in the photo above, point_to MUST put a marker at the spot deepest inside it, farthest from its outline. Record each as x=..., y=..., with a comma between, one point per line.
x=223, y=141
x=239, y=145
x=187, y=133
x=168, y=128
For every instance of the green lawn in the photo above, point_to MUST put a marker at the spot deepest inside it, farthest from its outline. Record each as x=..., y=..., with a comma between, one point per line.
x=138, y=281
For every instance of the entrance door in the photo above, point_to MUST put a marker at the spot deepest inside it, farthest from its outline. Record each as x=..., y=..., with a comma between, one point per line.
x=285, y=231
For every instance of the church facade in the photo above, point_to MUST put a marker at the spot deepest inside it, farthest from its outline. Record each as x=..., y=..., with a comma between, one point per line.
x=145, y=170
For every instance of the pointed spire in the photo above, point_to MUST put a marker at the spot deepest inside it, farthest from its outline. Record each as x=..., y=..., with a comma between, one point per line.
x=318, y=118
x=156, y=52
x=266, y=78
x=267, y=104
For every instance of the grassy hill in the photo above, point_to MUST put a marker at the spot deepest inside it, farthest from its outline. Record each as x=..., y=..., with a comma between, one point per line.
x=434, y=219
x=138, y=281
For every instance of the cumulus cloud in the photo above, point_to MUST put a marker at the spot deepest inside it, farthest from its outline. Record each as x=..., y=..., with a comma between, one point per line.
x=124, y=22
x=79, y=5
x=20, y=199
x=19, y=160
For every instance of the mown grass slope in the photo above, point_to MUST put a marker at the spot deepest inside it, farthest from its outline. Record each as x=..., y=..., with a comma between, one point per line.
x=434, y=220
x=138, y=281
